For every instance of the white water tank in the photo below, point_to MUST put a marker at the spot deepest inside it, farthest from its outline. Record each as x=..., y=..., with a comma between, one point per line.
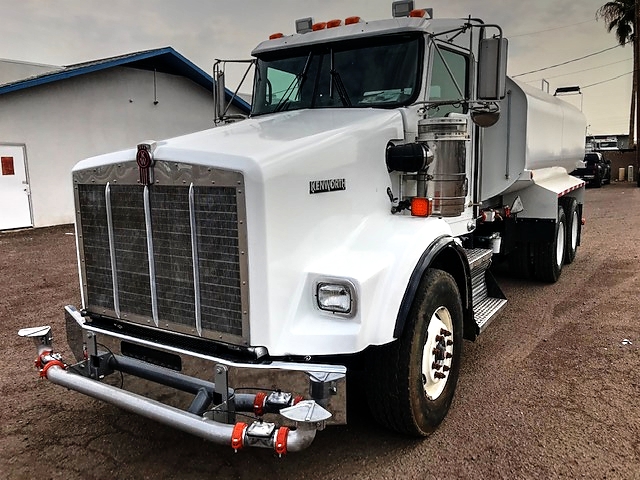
x=536, y=130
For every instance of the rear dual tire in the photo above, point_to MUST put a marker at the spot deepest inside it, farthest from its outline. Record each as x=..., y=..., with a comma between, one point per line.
x=548, y=257
x=570, y=206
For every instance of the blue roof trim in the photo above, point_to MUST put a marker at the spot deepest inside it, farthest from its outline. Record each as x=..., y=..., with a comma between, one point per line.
x=164, y=59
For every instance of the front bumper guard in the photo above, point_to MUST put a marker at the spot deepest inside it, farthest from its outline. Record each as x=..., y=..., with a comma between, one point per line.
x=215, y=424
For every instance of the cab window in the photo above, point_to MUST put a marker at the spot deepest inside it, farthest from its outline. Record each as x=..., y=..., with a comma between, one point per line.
x=442, y=87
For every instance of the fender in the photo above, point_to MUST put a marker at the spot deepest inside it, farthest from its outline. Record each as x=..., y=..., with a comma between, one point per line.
x=444, y=253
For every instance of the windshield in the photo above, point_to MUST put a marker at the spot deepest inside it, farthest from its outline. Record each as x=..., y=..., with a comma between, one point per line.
x=382, y=72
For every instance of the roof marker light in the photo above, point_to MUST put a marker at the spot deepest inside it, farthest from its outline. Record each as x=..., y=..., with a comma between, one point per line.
x=352, y=20
x=273, y=36
x=319, y=26
x=304, y=25
x=334, y=23
x=418, y=13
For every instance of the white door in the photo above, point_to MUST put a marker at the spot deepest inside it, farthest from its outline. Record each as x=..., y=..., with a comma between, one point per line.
x=15, y=208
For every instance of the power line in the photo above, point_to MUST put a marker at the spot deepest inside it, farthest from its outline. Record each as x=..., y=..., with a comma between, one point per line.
x=580, y=71
x=568, y=61
x=605, y=81
x=549, y=29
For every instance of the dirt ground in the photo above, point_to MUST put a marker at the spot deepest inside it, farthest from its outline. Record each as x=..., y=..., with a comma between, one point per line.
x=550, y=390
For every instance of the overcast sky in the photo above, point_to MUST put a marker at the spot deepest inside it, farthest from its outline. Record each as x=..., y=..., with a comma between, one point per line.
x=541, y=33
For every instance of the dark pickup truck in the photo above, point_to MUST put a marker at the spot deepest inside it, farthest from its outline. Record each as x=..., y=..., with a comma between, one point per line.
x=596, y=170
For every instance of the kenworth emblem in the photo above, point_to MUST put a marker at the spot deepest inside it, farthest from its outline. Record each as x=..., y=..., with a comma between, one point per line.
x=321, y=186
x=145, y=161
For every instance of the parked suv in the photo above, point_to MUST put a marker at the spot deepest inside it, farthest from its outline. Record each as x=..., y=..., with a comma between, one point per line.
x=596, y=170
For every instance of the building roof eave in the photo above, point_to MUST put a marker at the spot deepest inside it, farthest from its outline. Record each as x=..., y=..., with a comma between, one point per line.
x=165, y=60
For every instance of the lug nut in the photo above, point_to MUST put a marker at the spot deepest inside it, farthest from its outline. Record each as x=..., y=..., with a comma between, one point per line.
x=439, y=375
x=448, y=355
x=436, y=366
x=445, y=332
x=449, y=342
x=439, y=338
x=445, y=368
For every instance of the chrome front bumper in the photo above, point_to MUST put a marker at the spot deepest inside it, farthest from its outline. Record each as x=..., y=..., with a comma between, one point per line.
x=197, y=397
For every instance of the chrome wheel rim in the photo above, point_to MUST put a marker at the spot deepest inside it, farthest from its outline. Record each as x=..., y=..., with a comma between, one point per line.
x=437, y=354
x=560, y=244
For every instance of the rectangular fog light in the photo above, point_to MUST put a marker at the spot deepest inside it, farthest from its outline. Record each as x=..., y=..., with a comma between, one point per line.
x=334, y=297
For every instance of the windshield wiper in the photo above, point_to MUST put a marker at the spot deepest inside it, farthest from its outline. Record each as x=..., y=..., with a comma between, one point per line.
x=299, y=80
x=337, y=81
x=340, y=88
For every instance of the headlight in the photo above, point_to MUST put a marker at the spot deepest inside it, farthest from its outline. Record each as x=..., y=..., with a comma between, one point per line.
x=335, y=297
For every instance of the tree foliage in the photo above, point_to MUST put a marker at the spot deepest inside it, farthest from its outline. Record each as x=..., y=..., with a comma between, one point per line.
x=620, y=16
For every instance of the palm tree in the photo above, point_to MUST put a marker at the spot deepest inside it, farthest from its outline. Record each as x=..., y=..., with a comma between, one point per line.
x=620, y=17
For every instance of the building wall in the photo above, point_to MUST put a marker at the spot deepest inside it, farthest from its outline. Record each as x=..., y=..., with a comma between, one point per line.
x=621, y=160
x=63, y=122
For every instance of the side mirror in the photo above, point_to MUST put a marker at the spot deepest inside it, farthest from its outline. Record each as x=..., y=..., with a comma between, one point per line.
x=492, y=69
x=219, y=96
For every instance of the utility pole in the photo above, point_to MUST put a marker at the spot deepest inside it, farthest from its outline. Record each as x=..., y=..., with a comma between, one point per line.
x=636, y=81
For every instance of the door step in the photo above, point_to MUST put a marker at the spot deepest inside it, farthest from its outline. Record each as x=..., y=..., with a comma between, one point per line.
x=488, y=299
x=486, y=311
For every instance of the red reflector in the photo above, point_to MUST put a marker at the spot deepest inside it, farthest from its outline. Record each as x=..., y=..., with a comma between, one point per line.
x=418, y=13
x=334, y=23
x=352, y=20
x=319, y=26
x=421, y=207
x=273, y=36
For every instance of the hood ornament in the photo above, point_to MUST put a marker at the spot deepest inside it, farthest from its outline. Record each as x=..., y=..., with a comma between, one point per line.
x=145, y=161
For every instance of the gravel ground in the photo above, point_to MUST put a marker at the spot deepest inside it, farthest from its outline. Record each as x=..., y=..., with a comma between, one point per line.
x=550, y=390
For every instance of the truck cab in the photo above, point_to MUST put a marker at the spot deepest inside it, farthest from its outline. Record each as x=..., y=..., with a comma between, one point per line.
x=348, y=225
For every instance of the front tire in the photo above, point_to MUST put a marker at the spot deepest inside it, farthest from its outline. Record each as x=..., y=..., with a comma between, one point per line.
x=411, y=381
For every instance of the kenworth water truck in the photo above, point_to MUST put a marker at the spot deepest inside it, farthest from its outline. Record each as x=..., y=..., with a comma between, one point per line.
x=343, y=231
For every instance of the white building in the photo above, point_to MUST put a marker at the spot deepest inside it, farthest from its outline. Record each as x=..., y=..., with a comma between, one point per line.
x=52, y=117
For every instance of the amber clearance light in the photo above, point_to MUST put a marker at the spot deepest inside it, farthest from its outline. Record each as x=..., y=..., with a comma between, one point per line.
x=421, y=207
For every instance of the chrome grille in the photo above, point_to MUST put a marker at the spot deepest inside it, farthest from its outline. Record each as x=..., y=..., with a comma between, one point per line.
x=171, y=256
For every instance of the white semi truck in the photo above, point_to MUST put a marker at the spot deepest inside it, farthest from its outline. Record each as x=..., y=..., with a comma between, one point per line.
x=347, y=226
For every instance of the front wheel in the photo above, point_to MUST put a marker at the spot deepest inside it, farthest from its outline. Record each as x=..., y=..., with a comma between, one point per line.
x=411, y=381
